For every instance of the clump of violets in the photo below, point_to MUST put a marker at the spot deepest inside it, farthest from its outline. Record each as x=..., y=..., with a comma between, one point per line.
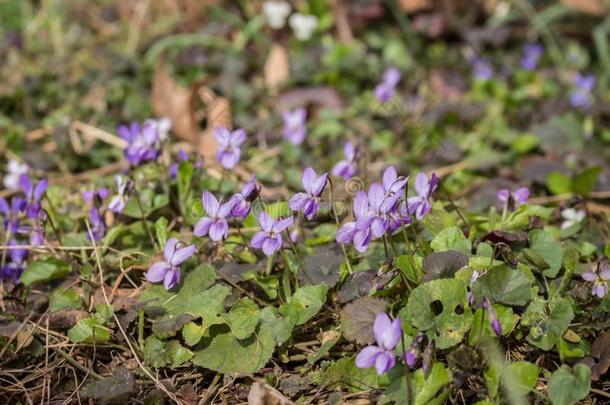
x=515, y=198
x=33, y=194
x=168, y=270
x=16, y=264
x=229, y=146
x=381, y=356
x=531, y=56
x=242, y=201
x=421, y=204
x=347, y=168
x=215, y=222
x=294, y=130
x=269, y=238
x=95, y=200
x=581, y=96
x=14, y=172
x=124, y=188
x=599, y=277
x=482, y=69
x=276, y=12
x=143, y=141
x=309, y=202
x=385, y=90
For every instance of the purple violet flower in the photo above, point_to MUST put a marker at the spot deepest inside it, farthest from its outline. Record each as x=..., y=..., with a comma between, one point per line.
x=12, y=213
x=295, y=130
x=599, y=278
x=269, y=239
x=215, y=222
x=518, y=197
x=98, y=224
x=347, y=168
x=482, y=69
x=117, y=204
x=309, y=202
x=13, y=269
x=168, y=270
x=229, y=143
x=531, y=56
x=36, y=231
x=33, y=194
x=493, y=319
x=358, y=232
x=143, y=142
x=420, y=205
x=381, y=356
x=242, y=201
x=581, y=96
x=385, y=90
x=173, y=170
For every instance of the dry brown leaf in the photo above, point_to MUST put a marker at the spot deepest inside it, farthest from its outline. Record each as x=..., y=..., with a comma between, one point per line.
x=172, y=100
x=264, y=394
x=593, y=7
x=277, y=68
x=411, y=6
x=218, y=113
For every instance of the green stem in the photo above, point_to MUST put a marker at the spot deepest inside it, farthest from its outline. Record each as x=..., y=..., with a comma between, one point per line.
x=334, y=209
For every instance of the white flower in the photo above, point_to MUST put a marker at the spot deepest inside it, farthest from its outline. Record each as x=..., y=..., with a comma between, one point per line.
x=571, y=217
x=162, y=125
x=15, y=170
x=275, y=13
x=303, y=25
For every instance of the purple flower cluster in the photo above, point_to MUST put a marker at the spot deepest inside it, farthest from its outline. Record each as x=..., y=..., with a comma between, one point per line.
x=309, y=202
x=143, y=141
x=16, y=264
x=515, y=198
x=581, y=96
x=381, y=356
x=531, y=56
x=347, y=168
x=269, y=238
x=380, y=211
x=242, y=201
x=295, y=130
x=385, y=90
x=168, y=270
x=229, y=146
x=599, y=277
x=95, y=200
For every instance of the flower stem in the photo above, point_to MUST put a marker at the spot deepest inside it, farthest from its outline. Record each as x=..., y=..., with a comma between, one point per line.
x=407, y=373
x=144, y=222
x=332, y=203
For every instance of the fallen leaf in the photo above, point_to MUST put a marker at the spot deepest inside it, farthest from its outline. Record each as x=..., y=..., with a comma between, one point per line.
x=411, y=6
x=356, y=285
x=593, y=7
x=264, y=394
x=358, y=317
x=116, y=389
x=600, y=350
x=443, y=264
x=277, y=68
x=65, y=319
x=323, y=96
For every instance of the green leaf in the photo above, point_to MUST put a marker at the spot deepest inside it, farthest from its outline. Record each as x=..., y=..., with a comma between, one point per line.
x=155, y=353
x=192, y=333
x=545, y=244
x=344, y=373
x=150, y=200
x=185, y=174
x=306, y=301
x=177, y=354
x=169, y=325
x=481, y=326
x=61, y=298
x=547, y=325
x=243, y=318
x=558, y=183
x=584, y=182
x=504, y=285
x=161, y=230
x=570, y=350
x=426, y=389
x=519, y=219
x=525, y=143
x=568, y=386
x=228, y=355
x=280, y=326
x=521, y=376
x=451, y=238
x=43, y=270
x=89, y=330
x=196, y=296
x=440, y=306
